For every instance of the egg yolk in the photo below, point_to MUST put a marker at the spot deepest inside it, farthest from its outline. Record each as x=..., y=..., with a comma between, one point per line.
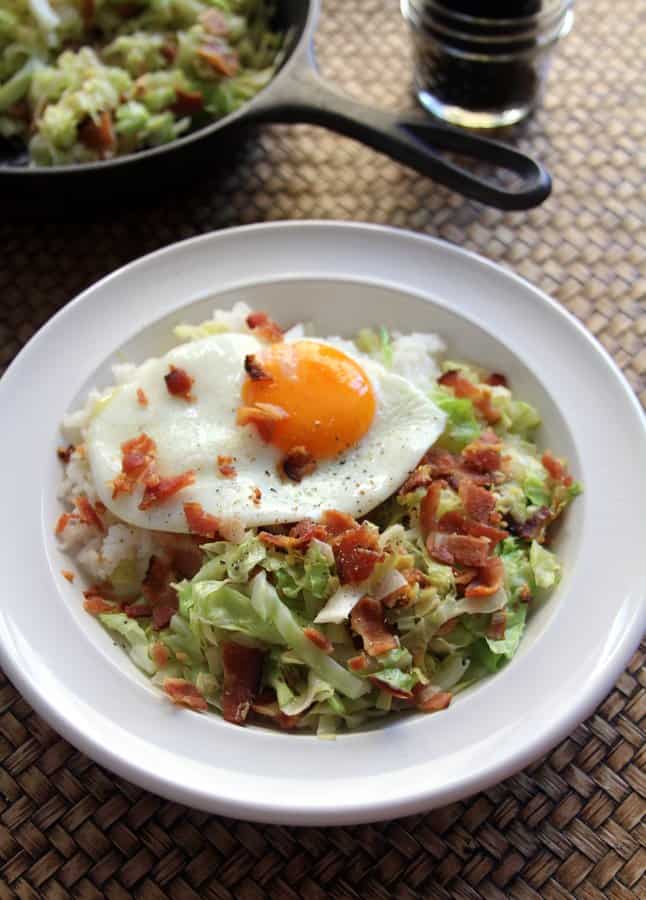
x=327, y=398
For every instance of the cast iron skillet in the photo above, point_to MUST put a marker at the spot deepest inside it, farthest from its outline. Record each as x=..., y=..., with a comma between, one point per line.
x=296, y=94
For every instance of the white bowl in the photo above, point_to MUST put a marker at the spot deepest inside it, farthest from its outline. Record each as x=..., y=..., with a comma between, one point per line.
x=342, y=277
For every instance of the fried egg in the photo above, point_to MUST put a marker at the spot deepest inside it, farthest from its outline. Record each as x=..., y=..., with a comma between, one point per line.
x=363, y=428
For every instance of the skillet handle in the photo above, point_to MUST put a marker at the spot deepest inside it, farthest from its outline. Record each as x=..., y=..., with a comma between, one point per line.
x=301, y=95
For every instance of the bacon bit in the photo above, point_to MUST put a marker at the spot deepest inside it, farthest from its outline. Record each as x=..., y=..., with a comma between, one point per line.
x=534, y=528
x=265, y=416
x=254, y=370
x=488, y=580
x=179, y=383
x=99, y=135
x=100, y=507
x=462, y=387
x=399, y=693
x=337, y=522
x=478, y=502
x=159, y=654
x=524, y=594
x=242, y=669
x=496, y=379
x=367, y=620
x=95, y=604
x=137, y=610
x=88, y=514
x=200, y=522
x=428, y=508
x=454, y=522
x=299, y=536
x=142, y=398
x=256, y=496
x=183, y=693
x=158, y=591
x=69, y=576
x=281, y=541
x=287, y=723
x=447, y=627
x=137, y=463
x=65, y=453
x=318, y=639
x=359, y=663
x=187, y=103
x=265, y=327
x=458, y=548
x=213, y=21
x=220, y=57
x=62, y=521
x=169, y=52
x=429, y=699
x=356, y=554
x=497, y=625
x=464, y=576
x=556, y=469
x=443, y=464
x=297, y=463
x=400, y=597
x=159, y=490
x=421, y=477
x=226, y=467
x=187, y=557
x=481, y=456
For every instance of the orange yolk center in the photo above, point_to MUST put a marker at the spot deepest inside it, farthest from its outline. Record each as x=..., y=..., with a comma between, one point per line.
x=327, y=397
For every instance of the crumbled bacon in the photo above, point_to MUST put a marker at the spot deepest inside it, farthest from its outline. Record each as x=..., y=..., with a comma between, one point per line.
x=265, y=416
x=142, y=398
x=179, y=383
x=184, y=693
x=367, y=620
x=534, y=528
x=226, y=467
x=213, y=21
x=62, y=522
x=456, y=523
x=556, y=469
x=488, y=580
x=65, y=453
x=337, y=522
x=298, y=463
x=420, y=477
x=524, y=594
x=477, y=501
x=137, y=610
x=159, y=654
x=496, y=379
x=497, y=625
x=242, y=670
x=254, y=369
x=429, y=699
x=356, y=554
x=96, y=604
x=220, y=57
x=158, y=490
x=299, y=536
x=99, y=135
x=447, y=627
x=399, y=693
x=359, y=663
x=255, y=496
x=463, y=576
x=67, y=575
x=458, y=548
x=462, y=387
x=264, y=327
x=88, y=514
x=318, y=639
x=428, y=508
x=443, y=464
x=200, y=522
x=482, y=456
x=157, y=589
x=137, y=463
x=187, y=103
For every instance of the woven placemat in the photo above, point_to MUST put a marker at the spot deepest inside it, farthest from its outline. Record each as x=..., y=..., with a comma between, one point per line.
x=570, y=825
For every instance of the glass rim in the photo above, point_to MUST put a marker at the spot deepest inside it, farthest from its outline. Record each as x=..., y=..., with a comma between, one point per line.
x=555, y=8
x=554, y=30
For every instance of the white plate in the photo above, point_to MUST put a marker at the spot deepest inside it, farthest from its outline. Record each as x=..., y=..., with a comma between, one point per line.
x=342, y=277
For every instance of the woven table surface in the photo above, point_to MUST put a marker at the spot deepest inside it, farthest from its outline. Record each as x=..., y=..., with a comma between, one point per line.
x=572, y=823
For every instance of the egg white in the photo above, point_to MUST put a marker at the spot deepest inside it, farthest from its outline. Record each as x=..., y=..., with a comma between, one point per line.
x=191, y=435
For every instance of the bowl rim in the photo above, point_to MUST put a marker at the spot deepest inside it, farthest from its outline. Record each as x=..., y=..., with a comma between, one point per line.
x=293, y=811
